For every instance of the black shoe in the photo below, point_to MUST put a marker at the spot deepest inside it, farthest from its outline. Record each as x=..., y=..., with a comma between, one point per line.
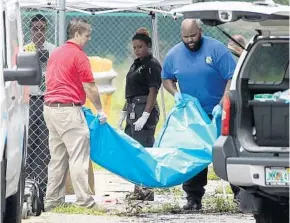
x=192, y=205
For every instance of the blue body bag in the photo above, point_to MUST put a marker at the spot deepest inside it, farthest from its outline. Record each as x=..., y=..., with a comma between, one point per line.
x=182, y=149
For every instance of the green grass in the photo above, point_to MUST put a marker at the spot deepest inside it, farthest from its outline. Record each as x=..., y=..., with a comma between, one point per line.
x=96, y=167
x=218, y=204
x=177, y=191
x=228, y=189
x=211, y=174
x=74, y=209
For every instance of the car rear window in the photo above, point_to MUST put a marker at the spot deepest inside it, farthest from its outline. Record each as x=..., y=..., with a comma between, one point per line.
x=269, y=63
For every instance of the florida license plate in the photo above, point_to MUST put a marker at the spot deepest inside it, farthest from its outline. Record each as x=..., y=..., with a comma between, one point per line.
x=277, y=176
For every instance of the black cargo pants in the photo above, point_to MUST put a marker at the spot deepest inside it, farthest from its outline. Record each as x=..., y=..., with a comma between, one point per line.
x=194, y=187
x=137, y=106
x=37, y=150
x=145, y=136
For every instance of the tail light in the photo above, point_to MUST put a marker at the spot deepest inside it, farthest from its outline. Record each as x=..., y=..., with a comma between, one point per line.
x=226, y=116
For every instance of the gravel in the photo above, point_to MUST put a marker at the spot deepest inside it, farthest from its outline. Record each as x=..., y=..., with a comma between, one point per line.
x=110, y=193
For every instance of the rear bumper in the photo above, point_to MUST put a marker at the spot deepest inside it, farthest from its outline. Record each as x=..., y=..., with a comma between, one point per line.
x=246, y=171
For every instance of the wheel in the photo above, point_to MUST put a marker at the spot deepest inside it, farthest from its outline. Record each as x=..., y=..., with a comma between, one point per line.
x=267, y=218
x=24, y=210
x=36, y=206
x=13, y=209
x=273, y=212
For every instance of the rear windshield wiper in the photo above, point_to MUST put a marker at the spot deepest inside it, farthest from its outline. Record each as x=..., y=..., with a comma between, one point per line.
x=229, y=36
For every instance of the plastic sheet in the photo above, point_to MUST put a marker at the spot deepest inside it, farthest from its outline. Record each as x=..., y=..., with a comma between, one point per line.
x=182, y=149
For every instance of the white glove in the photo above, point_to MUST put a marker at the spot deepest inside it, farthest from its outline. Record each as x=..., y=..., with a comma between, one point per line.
x=123, y=115
x=139, y=124
x=102, y=116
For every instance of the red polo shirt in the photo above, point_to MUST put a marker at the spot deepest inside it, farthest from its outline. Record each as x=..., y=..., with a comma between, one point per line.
x=67, y=68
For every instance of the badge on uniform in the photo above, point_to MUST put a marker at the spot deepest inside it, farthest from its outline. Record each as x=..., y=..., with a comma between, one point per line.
x=208, y=60
x=132, y=113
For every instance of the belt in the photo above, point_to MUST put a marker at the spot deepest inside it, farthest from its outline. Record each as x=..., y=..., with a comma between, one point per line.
x=58, y=104
x=137, y=99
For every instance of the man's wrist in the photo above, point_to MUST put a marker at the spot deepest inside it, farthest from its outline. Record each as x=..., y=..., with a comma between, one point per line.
x=100, y=110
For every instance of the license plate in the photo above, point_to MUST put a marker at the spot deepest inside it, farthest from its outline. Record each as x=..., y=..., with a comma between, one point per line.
x=277, y=176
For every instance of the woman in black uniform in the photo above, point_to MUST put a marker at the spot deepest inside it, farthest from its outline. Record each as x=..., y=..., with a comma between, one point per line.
x=141, y=110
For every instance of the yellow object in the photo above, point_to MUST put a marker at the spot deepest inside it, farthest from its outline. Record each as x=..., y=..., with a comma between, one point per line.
x=99, y=64
x=106, y=102
x=30, y=47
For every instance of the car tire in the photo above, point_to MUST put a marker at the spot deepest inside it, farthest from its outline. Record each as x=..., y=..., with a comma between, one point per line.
x=13, y=209
x=273, y=212
x=36, y=206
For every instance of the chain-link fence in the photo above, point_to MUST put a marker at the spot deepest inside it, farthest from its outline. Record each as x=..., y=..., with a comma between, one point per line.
x=39, y=29
x=111, y=38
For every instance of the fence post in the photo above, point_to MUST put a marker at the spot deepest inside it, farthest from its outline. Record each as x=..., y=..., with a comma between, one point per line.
x=156, y=53
x=61, y=27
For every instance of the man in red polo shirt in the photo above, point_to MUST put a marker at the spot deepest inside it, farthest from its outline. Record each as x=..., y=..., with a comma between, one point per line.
x=69, y=81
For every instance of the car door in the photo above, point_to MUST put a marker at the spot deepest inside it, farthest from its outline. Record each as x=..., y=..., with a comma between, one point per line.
x=216, y=13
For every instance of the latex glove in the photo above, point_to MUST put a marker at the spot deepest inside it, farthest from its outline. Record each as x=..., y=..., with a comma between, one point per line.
x=123, y=115
x=139, y=124
x=217, y=111
x=177, y=98
x=102, y=116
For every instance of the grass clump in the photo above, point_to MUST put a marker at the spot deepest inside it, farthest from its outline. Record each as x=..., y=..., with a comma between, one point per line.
x=177, y=191
x=96, y=167
x=75, y=209
x=219, y=190
x=219, y=204
x=211, y=174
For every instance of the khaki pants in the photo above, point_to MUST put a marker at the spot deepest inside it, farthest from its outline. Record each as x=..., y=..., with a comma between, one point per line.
x=69, y=150
x=68, y=184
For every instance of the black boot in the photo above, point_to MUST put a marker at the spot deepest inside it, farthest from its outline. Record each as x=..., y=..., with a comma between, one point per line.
x=192, y=204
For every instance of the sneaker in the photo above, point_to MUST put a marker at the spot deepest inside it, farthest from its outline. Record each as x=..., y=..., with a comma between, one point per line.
x=192, y=204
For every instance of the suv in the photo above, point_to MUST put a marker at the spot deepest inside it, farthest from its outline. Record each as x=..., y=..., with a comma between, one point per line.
x=253, y=150
x=17, y=70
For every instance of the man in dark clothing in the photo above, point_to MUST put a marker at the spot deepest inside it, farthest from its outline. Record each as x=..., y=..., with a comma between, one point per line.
x=37, y=150
x=203, y=68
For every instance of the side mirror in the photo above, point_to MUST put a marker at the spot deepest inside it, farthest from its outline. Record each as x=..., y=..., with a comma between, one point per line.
x=28, y=70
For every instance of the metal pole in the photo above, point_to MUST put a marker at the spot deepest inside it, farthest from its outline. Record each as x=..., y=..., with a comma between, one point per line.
x=156, y=54
x=61, y=28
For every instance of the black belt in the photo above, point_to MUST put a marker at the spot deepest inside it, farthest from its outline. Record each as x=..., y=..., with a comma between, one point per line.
x=137, y=99
x=58, y=104
x=36, y=96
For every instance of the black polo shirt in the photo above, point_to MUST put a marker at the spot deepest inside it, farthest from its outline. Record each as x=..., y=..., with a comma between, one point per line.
x=143, y=74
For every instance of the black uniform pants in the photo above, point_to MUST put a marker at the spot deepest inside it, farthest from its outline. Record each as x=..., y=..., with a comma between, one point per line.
x=194, y=187
x=146, y=135
x=37, y=150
